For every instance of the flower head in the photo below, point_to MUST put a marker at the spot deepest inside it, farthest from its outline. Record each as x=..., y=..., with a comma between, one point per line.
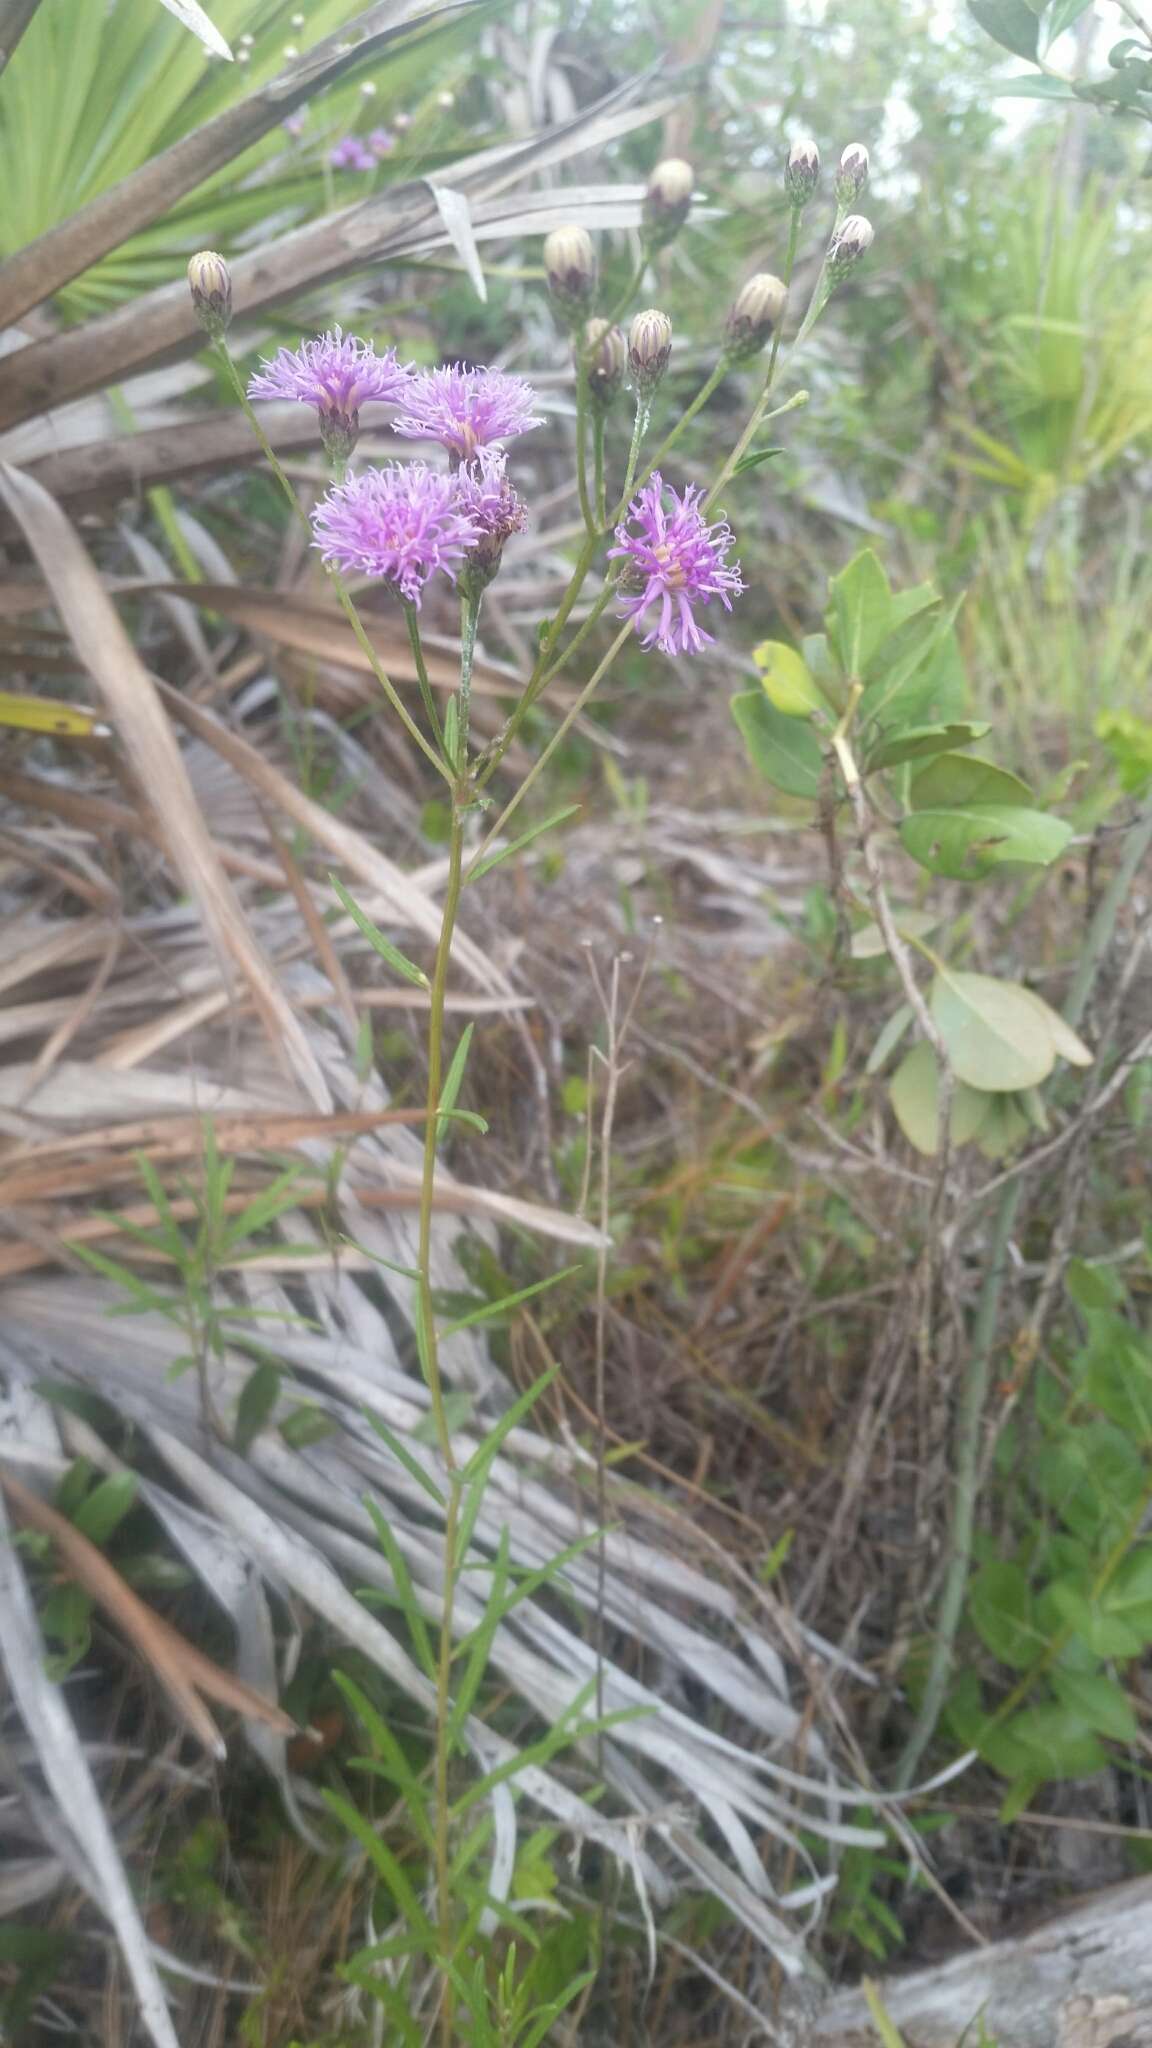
x=467, y=408
x=351, y=155
x=400, y=524
x=675, y=561
x=337, y=374
x=487, y=498
x=210, y=283
x=668, y=200
x=381, y=142
x=802, y=171
x=852, y=175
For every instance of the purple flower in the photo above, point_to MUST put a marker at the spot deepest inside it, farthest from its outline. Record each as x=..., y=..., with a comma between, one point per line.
x=381, y=143
x=467, y=408
x=400, y=524
x=337, y=374
x=295, y=123
x=676, y=560
x=486, y=497
x=351, y=155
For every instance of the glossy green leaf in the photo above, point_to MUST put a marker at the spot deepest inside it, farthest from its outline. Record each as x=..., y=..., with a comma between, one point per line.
x=914, y=1095
x=859, y=615
x=893, y=685
x=785, y=750
x=1003, y=1614
x=966, y=842
x=953, y=779
x=258, y=1398
x=101, y=1513
x=1004, y=1128
x=994, y=1037
x=1098, y=1702
x=1057, y=1741
x=889, y=1038
x=1011, y=23
x=918, y=741
x=786, y=679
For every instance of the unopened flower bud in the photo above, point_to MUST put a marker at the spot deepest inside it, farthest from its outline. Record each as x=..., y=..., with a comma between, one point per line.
x=210, y=282
x=668, y=199
x=802, y=171
x=649, y=347
x=570, y=261
x=852, y=175
x=606, y=353
x=853, y=239
x=754, y=315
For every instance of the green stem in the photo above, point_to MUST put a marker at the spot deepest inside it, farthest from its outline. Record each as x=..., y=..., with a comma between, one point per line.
x=469, y=619
x=581, y=447
x=713, y=378
x=495, y=753
x=430, y=1361
x=412, y=621
x=598, y=469
x=399, y=707
x=270, y=455
x=639, y=429
x=974, y=1393
x=760, y=409
x=565, y=726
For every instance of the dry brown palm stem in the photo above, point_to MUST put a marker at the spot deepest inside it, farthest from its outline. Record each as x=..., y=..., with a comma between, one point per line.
x=77, y=1015
x=150, y=746
x=100, y=814
x=182, y=1670
x=159, y=1143
x=458, y=1200
x=53, y=259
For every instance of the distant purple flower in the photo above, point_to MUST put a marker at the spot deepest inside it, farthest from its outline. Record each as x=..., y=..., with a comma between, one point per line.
x=467, y=408
x=351, y=155
x=399, y=524
x=381, y=143
x=295, y=123
x=485, y=495
x=676, y=561
x=337, y=374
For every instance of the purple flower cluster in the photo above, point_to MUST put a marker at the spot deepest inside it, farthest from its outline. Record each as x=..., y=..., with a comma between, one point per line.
x=399, y=524
x=337, y=374
x=359, y=153
x=675, y=561
x=466, y=409
x=404, y=522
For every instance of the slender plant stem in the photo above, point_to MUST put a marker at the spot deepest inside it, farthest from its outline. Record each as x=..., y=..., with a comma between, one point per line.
x=974, y=1392
x=469, y=617
x=412, y=621
x=582, y=447
x=598, y=468
x=495, y=753
x=714, y=377
x=564, y=727
x=429, y=1348
x=639, y=429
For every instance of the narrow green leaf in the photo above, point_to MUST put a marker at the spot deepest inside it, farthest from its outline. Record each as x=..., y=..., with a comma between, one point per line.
x=406, y=1594
x=889, y=1039
x=480, y=1644
x=258, y=1398
x=455, y=1075
x=481, y=1459
x=386, y=1864
x=377, y=941
x=103, y=1510
x=390, y=1755
x=525, y=839
x=492, y=1310
x=403, y=1455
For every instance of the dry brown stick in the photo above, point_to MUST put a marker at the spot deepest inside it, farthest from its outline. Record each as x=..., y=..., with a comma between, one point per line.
x=182, y=1670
